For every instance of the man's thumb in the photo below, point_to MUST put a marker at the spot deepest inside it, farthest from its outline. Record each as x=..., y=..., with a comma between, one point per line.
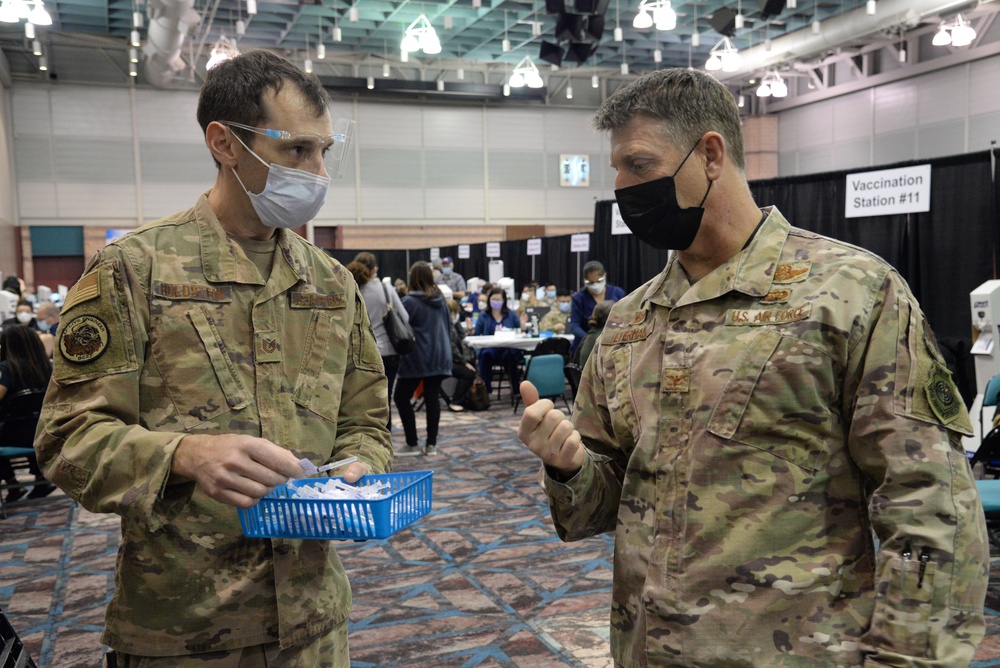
x=529, y=393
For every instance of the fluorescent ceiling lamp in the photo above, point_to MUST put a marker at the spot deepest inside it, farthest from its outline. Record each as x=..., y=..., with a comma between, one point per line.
x=43, y=65
x=506, y=90
x=619, y=35
x=421, y=36
x=870, y=8
x=134, y=39
x=36, y=47
x=133, y=71
x=371, y=83
x=738, y=22
x=320, y=51
x=594, y=81
x=338, y=34
x=133, y=55
x=569, y=92
x=29, y=30
x=137, y=19
x=251, y=7
x=460, y=74
x=352, y=14
x=308, y=65
x=695, y=39
x=657, y=56
x=624, y=69
x=741, y=101
x=385, y=69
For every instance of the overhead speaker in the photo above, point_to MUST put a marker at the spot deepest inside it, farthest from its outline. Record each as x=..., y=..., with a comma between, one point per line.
x=724, y=21
x=551, y=53
x=555, y=6
x=569, y=27
x=770, y=7
x=595, y=27
x=579, y=52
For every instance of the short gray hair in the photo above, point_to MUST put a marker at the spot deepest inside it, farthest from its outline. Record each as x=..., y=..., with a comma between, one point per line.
x=688, y=103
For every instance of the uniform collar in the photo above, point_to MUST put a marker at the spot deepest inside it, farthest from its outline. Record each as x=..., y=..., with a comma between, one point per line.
x=223, y=262
x=750, y=271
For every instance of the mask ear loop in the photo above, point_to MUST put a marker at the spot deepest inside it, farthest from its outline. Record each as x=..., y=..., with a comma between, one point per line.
x=250, y=151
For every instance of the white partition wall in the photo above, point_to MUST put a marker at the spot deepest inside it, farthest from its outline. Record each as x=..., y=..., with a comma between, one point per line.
x=112, y=157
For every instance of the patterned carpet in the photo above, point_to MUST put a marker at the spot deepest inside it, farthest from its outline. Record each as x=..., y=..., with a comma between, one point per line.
x=482, y=581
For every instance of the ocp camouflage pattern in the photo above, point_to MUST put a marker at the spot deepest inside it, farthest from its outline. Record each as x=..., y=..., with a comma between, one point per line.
x=197, y=343
x=767, y=447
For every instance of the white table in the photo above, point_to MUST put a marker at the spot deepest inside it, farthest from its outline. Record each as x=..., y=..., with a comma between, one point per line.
x=518, y=341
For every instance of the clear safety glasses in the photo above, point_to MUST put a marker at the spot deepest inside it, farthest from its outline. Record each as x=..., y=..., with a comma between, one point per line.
x=304, y=147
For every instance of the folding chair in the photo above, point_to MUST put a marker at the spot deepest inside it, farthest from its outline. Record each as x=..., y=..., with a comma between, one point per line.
x=554, y=345
x=18, y=421
x=12, y=652
x=573, y=375
x=546, y=373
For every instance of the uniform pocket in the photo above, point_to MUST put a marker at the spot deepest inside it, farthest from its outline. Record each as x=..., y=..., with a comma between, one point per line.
x=780, y=399
x=320, y=380
x=195, y=366
x=903, y=603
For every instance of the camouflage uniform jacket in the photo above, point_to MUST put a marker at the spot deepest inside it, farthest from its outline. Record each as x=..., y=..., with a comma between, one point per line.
x=747, y=435
x=552, y=318
x=171, y=332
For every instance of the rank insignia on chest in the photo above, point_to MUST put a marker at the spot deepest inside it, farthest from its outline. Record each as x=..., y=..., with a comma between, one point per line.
x=639, y=317
x=792, y=272
x=941, y=395
x=777, y=296
x=84, y=339
x=318, y=300
x=675, y=379
x=267, y=347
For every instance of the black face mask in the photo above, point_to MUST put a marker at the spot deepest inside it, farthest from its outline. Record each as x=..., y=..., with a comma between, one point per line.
x=652, y=213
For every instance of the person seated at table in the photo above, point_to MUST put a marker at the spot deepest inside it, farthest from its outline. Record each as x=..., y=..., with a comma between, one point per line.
x=551, y=295
x=24, y=314
x=557, y=319
x=463, y=367
x=529, y=299
x=596, y=321
x=23, y=366
x=498, y=318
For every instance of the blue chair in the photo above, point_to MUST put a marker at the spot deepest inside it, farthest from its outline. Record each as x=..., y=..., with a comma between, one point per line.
x=18, y=418
x=546, y=373
x=989, y=399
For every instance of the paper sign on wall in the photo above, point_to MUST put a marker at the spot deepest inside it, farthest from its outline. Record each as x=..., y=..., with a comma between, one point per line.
x=888, y=191
x=618, y=225
x=579, y=243
x=534, y=246
x=493, y=249
x=435, y=253
x=463, y=251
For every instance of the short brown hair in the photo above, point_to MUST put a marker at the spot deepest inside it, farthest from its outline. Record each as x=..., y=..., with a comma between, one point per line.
x=688, y=103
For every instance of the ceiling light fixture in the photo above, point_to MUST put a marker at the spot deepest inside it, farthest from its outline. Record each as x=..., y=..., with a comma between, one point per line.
x=738, y=19
x=134, y=38
x=133, y=71
x=222, y=51
x=525, y=74
x=595, y=81
x=29, y=30
x=772, y=85
x=371, y=83
x=962, y=33
x=618, y=34
x=421, y=36
x=320, y=47
x=43, y=64
x=569, y=91
x=352, y=14
x=8, y=11
x=133, y=55
x=695, y=36
x=870, y=8
x=338, y=34
x=655, y=12
x=657, y=56
x=38, y=15
x=724, y=56
x=251, y=7
x=137, y=21
x=460, y=74
x=790, y=4
x=386, y=70
x=741, y=101
x=36, y=47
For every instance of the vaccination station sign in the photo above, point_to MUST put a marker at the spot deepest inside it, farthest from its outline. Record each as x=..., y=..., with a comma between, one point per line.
x=889, y=191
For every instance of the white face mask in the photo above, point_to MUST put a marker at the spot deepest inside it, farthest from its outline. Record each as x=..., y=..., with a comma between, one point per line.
x=597, y=287
x=291, y=197
x=24, y=317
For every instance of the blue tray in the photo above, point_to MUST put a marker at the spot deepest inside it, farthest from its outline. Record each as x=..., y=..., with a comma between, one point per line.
x=277, y=515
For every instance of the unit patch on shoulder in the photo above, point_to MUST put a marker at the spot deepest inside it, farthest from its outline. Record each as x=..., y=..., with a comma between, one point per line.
x=941, y=395
x=792, y=272
x=84, y=339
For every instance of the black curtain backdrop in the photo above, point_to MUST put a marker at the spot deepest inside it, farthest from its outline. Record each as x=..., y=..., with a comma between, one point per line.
x=943, y=254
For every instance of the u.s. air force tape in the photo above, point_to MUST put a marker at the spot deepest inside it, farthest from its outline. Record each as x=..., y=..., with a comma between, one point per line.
x=84, y=339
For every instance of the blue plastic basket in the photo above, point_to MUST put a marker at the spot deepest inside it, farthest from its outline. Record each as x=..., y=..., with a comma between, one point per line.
x=277, y=515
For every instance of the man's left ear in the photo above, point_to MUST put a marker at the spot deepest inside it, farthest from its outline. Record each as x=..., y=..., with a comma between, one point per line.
x=715, y=154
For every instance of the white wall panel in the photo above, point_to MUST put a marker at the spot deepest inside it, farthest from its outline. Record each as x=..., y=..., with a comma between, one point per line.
x=815, y=127
x=942, y=139
x=165, y=116
x=569, y=203
x=788, y=163
x=852, y=116
x=31, y=110
x=458, y=127
x=813, y=160
x=93, y=160
x=983, y=78
x=392, y=203
x=518, y=204
x=896, y=107
x=443, y=205
x=571, y=132
x=163, y=161
x=852, y=154
x=942, y=96
x=456, y=168
x=96, y=201
x=82, y=111
x=340, y=203
x=510, y=169
x=36, y=200
x=164, y=199
x=515, y=129
x=33, y=158
x=983, y=129
x=390, y=126
x=383, y=167
x=788, y=129
x=895, y=147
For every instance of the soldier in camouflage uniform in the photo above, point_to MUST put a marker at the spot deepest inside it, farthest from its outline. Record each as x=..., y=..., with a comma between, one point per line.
x=767, y=426
x=200, y=357
x=557, y=319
